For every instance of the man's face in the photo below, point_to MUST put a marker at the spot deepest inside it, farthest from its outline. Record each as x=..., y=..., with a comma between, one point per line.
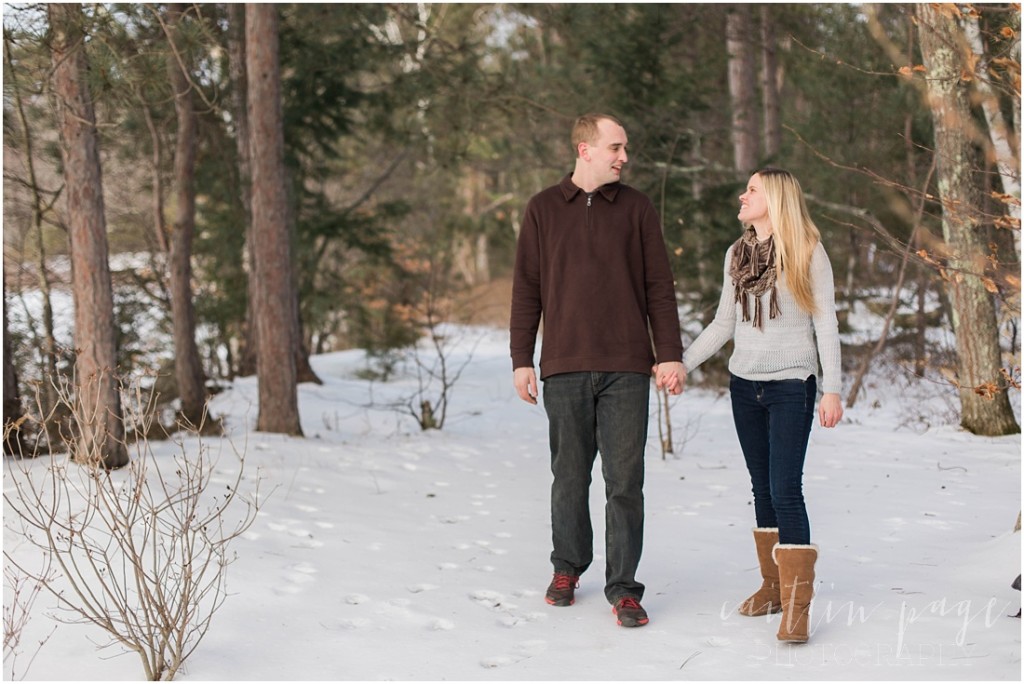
x=607, y=155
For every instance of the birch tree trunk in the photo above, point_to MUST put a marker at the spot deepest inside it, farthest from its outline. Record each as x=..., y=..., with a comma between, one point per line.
x=742, y=90
x=1005, y=149
x=985, y=407
x=98, y=399
x=275, y=315
x=188, y=370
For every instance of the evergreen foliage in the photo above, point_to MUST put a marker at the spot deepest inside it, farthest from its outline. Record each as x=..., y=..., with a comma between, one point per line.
x=415, y=134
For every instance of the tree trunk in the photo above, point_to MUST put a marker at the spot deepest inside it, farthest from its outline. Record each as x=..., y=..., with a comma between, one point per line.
x=239, y=86
x=742, y=90
x=770, y=85
x=48, y=362
x=12, y=399
x=303, y=370
x=188, y=370
x=985, y=406
x=1004, y=149
x=98, y=400
x=275, y=315
x=921, y=318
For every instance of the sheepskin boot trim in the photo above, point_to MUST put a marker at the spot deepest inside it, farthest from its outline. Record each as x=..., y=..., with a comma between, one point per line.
x=796, y=576
x=766, y=599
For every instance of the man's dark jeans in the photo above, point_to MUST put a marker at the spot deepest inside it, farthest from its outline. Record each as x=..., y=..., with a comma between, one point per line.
x=590, y=412
x=773, y=423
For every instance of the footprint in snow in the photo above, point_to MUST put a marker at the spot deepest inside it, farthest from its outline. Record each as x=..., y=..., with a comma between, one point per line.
x=419, y=588
x=453, y=519
x=510, y=615
x=521, y=651
x=353, y=623
x=300, y=574
x=486, y=545
x=290, y=527
x=441, y=624
x=404, y=611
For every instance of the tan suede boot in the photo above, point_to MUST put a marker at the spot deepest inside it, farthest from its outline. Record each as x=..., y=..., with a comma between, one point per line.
x=796, y=575
x=766, y=599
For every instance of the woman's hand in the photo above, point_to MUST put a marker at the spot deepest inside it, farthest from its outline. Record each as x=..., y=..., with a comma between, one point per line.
x=670, y=375
x=830, y=410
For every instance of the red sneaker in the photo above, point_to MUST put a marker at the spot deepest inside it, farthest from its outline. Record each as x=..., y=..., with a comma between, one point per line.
x=629, y=612
x=562, y=590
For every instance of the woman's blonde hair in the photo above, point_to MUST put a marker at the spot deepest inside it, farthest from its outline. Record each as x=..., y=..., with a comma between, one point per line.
x=795, y=234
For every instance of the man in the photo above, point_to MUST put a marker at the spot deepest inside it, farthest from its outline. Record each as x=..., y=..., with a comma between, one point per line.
x=592, y=261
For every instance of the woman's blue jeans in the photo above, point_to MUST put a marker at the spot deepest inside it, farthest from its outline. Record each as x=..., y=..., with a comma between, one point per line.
x=773, y=422
x=591, y=412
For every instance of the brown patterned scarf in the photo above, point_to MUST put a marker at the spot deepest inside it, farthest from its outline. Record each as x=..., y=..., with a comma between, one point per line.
x=753, y=273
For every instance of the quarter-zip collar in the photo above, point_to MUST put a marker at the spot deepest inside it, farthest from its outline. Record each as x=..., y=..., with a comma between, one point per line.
x=570, y=189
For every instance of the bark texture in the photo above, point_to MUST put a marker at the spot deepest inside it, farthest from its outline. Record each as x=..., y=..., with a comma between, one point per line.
x=188, y=369
x=275, y=313
x=742, y=90
x=985, y=406
x=239, y=87
x=98, y=400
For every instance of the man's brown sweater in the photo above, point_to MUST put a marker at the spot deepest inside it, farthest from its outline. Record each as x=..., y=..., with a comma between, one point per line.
x=595, y=267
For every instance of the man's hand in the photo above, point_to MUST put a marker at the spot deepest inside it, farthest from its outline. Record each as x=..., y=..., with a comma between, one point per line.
x=671, y=376
x=525, y=381
x=830, y=410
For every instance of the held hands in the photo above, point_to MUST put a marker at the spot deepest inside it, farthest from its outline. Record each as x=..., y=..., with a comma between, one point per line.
x=670, y=375
x=830, y=410
x=525, y=381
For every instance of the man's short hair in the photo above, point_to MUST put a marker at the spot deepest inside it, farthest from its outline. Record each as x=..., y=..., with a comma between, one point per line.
x=585, y=129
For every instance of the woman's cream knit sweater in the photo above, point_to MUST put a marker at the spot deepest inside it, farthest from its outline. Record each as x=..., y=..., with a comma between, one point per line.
x=790, y=345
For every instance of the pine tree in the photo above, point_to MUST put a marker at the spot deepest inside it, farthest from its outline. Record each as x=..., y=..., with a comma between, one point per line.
x=98, y=400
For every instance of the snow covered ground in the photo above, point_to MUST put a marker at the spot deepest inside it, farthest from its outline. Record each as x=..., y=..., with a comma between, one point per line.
x=389, y=553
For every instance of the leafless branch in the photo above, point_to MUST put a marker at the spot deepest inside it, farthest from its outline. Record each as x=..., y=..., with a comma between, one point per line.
x=140, y=553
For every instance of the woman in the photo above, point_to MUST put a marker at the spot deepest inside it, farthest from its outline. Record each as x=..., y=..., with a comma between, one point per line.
x=778, y=303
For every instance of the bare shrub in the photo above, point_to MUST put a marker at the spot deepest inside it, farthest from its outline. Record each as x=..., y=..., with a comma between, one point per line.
x=21, y=592
x=436, y=376
x=140, y=552
x=668, y=437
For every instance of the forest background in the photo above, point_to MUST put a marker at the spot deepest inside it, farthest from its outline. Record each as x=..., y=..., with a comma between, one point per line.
x=196, y=194
x=331, y=176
